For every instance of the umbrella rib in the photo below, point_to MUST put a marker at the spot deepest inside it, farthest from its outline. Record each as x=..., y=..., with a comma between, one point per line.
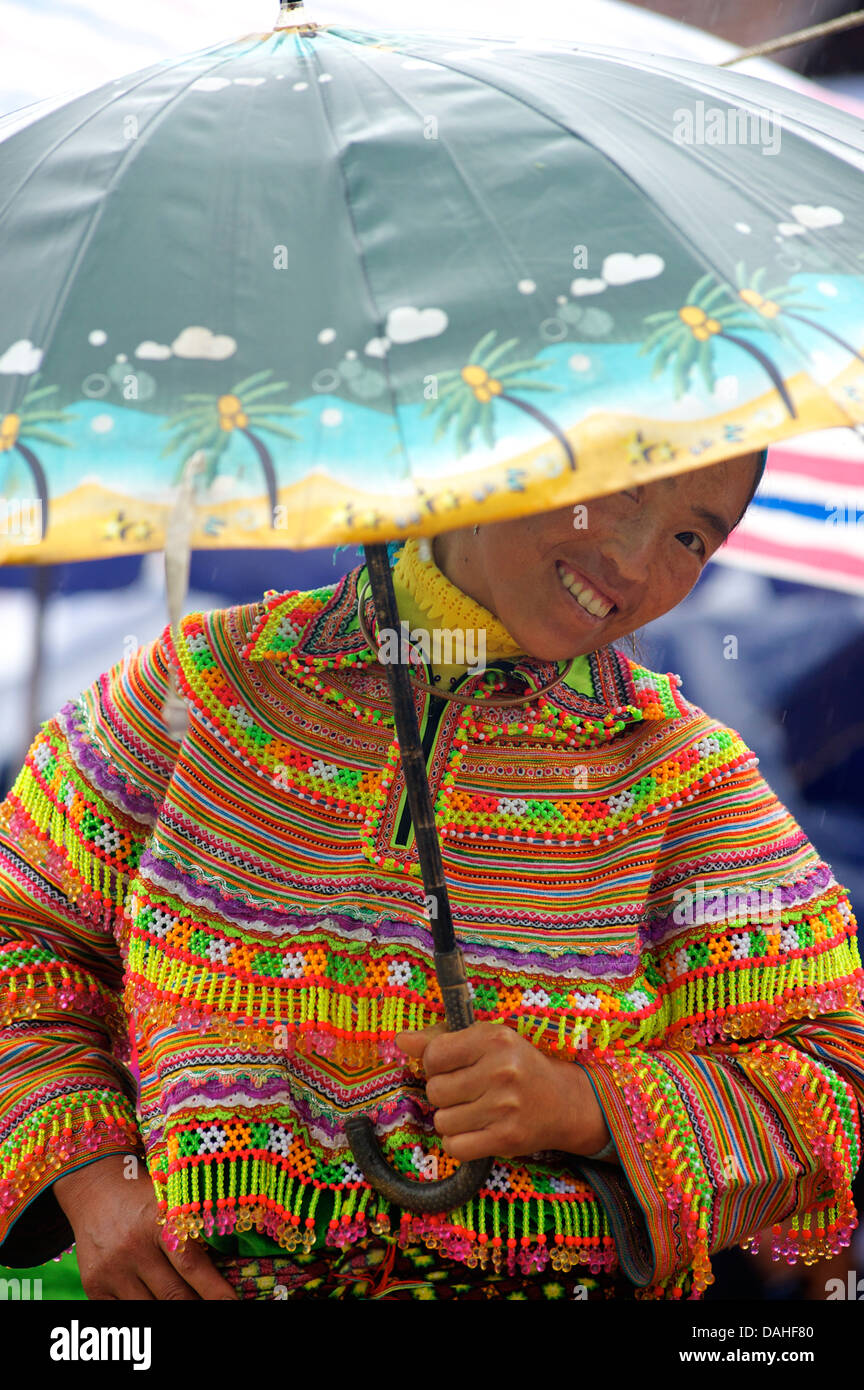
x=126, y=158
x=579, y=135
x=646, y=124
x=638, y=62
x=795, y=125
x=361, y=259
x=678, y=232
x=68, y=134
x=519, y=269
x=719, y=90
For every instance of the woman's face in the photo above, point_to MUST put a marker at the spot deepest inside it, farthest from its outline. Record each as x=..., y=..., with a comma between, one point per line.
x=640, y=551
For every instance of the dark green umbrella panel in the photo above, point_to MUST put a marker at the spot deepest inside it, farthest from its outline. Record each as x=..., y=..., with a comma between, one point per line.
x=372, y=282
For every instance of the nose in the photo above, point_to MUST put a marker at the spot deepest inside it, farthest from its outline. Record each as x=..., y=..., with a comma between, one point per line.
x=629, y=546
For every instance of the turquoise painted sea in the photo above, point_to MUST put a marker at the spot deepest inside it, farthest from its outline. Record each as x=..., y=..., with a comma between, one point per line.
x=119, y=447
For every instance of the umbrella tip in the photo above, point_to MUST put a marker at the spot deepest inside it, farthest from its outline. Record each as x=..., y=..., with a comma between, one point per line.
x=290, y=12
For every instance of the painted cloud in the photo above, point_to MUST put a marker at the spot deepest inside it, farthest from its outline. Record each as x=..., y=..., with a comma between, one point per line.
x=816, y=217
x=406, y=324
x=623, y=267
x=202, y=342
x=586, y=285
x=153, y=352
x=22, y=358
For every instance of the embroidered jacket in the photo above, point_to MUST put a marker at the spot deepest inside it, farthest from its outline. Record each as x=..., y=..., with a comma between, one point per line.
x=627, y=890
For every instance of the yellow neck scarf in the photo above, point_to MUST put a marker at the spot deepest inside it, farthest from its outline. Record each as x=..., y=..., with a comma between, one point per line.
x=427, y=599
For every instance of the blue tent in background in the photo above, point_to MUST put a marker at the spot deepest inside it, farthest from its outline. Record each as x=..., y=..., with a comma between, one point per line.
x=773, y=659
x=241, y=576
x=74, y=578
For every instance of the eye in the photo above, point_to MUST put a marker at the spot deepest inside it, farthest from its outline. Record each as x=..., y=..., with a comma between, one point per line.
x=695, y=537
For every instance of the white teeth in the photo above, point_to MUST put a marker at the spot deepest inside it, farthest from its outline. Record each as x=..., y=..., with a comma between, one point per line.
x=585, y=596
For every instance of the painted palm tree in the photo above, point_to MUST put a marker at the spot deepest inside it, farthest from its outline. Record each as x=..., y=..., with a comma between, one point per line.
x=209, y=421
x=778, y=304
x=466, y=395
x=685, y=337
x=28, y=422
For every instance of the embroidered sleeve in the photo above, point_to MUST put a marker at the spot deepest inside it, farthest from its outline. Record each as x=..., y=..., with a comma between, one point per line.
x=72, y=829
x=742, y=1108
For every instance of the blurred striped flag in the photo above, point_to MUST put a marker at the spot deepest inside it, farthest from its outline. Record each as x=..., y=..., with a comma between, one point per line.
x=806, y=522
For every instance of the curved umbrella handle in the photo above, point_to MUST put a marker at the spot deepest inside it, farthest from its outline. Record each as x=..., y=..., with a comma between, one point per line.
x=444, y=1195
x=460, y=1186
x=447, y=1193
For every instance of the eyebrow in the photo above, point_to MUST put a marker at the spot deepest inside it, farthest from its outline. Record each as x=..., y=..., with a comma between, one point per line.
x=716, y=522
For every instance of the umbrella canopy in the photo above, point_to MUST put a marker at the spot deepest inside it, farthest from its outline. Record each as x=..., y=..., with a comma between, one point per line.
x=375, y=282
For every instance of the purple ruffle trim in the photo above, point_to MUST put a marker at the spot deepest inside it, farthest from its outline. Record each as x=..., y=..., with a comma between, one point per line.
x=814, y=883
x=100, y=773
x=601, y=963
x=183, y=1093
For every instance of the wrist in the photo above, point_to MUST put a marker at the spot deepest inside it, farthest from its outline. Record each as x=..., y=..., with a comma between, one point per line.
x=69, y=1188
x=583, y=1128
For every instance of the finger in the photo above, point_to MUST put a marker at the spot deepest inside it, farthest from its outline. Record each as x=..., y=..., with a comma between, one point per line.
x=196, y=1268
x=121, y=1288
x=164, y=1281
x=414, y=1044
x=139, y=1291
x=463, y=1119
x=478, y=1143
x=453, y=1051
x=463, y=1087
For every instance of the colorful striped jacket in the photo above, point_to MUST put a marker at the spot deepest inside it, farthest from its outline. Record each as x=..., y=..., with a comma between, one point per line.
x=244, y=912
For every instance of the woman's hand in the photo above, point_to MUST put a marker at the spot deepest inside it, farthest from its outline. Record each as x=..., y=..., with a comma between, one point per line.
x=117, y=1241
x=497, y=1095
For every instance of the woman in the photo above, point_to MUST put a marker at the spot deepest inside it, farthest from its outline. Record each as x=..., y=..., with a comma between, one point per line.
x=675, y=967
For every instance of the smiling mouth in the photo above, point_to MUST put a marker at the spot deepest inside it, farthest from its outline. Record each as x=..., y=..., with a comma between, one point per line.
x=590, y=602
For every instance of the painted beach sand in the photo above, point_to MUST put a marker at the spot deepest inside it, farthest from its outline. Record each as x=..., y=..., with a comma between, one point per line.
x=611, y=452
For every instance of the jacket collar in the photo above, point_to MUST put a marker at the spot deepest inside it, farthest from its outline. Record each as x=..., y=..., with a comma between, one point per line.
x=318, y=629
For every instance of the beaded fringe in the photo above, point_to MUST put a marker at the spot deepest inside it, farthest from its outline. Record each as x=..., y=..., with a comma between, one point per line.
x=353, y=1026
x=813, y=1235
x=306, y=1029
x=205, y=1199
x=57, y=1133
x=349, y=1028
x=757, y=998
x=676, y=1168
x=47, y=839
x=28, y=990
x=663, y=1128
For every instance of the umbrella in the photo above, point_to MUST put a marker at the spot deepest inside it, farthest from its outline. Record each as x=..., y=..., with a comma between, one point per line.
x=323, y=285
x=254, y=263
